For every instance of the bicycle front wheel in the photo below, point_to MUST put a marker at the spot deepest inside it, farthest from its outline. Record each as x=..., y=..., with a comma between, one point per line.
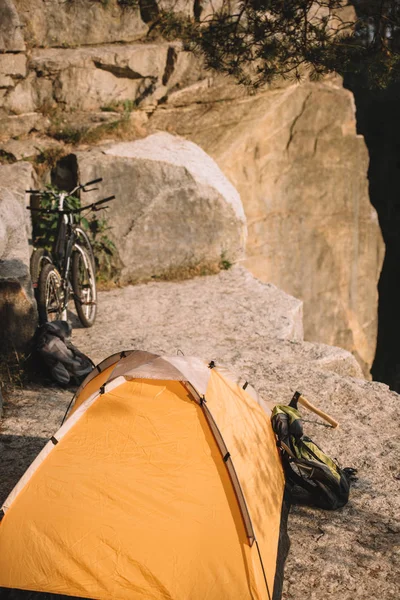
x=49, y=294
x=84, y=285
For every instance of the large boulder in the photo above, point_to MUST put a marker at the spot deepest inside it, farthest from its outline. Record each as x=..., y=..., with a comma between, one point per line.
x=295, y=157
x=175, y=212
x=18, y=314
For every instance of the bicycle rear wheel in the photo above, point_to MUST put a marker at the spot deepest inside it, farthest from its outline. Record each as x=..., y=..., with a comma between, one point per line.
x=49, y=294
x=84, y=285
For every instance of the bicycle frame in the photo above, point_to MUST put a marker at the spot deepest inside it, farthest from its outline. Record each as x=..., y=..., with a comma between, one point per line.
x=66, y=243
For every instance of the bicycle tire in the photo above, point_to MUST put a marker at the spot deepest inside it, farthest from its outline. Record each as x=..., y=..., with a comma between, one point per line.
x=49, y=299
x=39, y=258
x=84, y=285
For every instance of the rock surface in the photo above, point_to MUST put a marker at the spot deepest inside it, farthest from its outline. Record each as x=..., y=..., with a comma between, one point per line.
x=20, y=150
x=17, y=178
x=11, y=38
x=349, y=554
x=18, y=315
x=80, y=22
x=95, y=77
x=174, y=211
x=12, y=68
x=90, y=78
x=13, y=126
x=291, y=151
x=301, y=170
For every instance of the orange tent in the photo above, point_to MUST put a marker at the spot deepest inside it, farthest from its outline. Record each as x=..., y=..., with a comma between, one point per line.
x=164, y=482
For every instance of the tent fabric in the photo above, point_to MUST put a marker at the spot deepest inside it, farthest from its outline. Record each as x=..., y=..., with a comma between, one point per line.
x=242, y=383
x=251, y=442
x=135, y=497
x=129, y=362
x=156, y=369
x=101, y=373
x=14, y=594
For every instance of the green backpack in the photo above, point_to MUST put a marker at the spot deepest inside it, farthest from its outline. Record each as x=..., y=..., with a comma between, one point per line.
x=306, y=465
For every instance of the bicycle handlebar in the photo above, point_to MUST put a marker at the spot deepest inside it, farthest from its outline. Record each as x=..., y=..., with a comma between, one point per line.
x=92, y=182
x=103, y=201
x=81, y=186
x=73, y=210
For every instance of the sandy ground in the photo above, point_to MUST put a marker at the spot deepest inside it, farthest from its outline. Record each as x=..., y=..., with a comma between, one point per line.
x=352, y=553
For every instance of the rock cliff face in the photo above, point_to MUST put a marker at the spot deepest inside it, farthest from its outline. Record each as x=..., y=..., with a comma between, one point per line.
x=301, y=170
x=292, y=150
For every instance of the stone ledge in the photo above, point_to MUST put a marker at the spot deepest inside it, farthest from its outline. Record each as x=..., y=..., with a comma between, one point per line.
x=16, y=125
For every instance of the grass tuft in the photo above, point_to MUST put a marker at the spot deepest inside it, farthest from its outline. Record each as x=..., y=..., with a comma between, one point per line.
x=14, y=371
x=225, y=264
x=48, y=158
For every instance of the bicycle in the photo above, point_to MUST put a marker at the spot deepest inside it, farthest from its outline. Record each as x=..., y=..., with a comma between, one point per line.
x=69, y=269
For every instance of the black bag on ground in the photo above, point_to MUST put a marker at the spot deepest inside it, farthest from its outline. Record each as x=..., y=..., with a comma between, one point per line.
x=65, y=363
x=306, y=465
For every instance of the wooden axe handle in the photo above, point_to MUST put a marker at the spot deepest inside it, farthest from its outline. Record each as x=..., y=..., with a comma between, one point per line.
x=304, y=402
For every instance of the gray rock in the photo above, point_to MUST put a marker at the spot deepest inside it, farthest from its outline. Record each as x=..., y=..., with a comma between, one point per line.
x=6, y=81
x=23, y=98
x=18, y=150
x=18, y=314
x=17, y=178
x=12, y=126
x=220, y=316
x=12, y=66
x=173, y=198
x=89, y=78
x=317, y=356
x=11, y=38
x=82, y=22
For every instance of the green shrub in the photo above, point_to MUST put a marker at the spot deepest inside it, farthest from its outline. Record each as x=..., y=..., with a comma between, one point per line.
x=45, y=229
